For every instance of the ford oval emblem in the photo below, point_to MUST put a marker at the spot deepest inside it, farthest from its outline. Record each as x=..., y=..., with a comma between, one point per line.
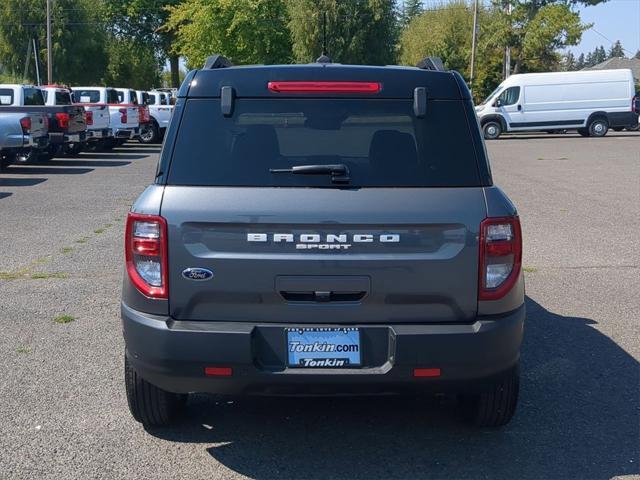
x=198, y=274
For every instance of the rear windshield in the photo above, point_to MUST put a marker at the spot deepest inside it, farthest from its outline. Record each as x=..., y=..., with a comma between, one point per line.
x=86, y=96
x=6, y=96
x=380, y=141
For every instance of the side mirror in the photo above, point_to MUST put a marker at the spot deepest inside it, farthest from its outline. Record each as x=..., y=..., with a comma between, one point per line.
x=498, y=102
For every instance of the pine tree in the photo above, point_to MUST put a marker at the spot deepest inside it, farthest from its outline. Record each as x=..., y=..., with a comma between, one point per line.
x=410, y=10
x=616, y=50
x=568, y=62
x=580, y=64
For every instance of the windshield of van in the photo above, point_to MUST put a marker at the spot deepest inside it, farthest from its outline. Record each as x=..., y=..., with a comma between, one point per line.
x=380, y=142
x=492, y=94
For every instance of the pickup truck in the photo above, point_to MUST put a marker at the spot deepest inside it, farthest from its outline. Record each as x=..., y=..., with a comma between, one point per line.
x=98, y=120
x=20, y=133
x=145, y=115
x=160, y=110
x=123, y=118
x=66, y=122
x=56, y=95
x=129, y=97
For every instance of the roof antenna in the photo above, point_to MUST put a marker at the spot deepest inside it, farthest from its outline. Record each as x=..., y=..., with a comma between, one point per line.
x=324, y=58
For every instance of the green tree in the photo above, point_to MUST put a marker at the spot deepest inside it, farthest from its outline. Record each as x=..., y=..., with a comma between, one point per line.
x=245, y=31
x=357, y=31
x=131, y=64
x=535, y=31
x=580, y=63
x=446, y=33
x=616, y=50
x=142, y=21
x=77, y=37
x=410, y=9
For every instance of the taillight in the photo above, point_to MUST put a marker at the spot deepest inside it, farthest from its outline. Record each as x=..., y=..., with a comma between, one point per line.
x=25, y=123
x=63, y=120
x=143, y=111
x=123, y=115
x=500, y=256
x=146, y=254
x=89, y=117
x=324, y=87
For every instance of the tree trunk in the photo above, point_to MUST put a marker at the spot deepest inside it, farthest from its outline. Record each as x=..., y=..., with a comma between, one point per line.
x=174, y=65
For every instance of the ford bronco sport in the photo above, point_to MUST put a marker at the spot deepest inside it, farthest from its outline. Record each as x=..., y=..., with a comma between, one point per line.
x=323, y=229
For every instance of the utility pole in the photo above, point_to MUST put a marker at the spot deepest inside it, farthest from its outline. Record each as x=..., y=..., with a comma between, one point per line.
x=36, y=58
x=507, y=49
x=474, y=42
x=49, y=47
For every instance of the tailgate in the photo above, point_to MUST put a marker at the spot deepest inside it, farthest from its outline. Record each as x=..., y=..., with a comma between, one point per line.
x=133, y=117
x=370, y=255
x=38, y=125
x=100, y=117
x=76, y=119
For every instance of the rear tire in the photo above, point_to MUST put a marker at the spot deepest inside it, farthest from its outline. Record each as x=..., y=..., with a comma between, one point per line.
x=491, y=130
x=150, y=134
x=494, y=407
x=598, y=127
x=149, y=404
x=584, y=132
x=73, y=149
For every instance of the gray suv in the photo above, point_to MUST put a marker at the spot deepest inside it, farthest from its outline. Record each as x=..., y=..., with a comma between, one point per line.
x=323, y=229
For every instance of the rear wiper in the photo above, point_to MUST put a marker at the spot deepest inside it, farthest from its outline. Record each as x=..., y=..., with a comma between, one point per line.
x=339, y=173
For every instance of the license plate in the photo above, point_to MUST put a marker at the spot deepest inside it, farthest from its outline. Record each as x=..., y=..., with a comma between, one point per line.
x=97, y=134
x=74, y=138
x=323, y=347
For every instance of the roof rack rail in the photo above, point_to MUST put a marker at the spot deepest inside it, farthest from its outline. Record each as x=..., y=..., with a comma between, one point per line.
x=216, y=61
x=431, y=63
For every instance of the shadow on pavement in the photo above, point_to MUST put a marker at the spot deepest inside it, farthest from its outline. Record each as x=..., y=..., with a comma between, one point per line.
x=38, y=170
x=81, y=162
x=20, y=182
x=5, y=195
x=146, y=151
x=556, y=136
x=578, y=418
x=114, y=154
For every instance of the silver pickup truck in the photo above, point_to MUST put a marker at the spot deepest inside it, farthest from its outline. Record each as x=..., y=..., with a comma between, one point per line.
x=19, y=134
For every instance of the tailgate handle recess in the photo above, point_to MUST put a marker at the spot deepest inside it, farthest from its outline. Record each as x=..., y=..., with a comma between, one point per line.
x=322, y=296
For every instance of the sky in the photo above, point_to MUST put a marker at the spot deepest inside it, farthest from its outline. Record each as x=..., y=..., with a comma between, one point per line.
x=615, y=20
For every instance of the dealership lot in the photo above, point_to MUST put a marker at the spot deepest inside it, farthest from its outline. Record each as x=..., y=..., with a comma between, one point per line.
x=62, y=401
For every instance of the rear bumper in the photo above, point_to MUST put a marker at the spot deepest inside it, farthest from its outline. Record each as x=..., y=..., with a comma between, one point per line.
x=97, y=134
x=173, y=355
x=127, y=132
x=57, y=138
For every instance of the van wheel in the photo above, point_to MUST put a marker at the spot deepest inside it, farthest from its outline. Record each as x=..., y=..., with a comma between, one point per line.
x=584, y=132
x=598, y=127
x=149, y=134
x=149, y=404
x=491, y=130
x=494, y=407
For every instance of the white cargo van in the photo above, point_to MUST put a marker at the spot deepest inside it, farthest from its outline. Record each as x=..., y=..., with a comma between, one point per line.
x=591, y=101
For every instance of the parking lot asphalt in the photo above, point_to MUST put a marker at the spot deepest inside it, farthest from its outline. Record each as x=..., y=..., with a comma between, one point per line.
x=63, y=412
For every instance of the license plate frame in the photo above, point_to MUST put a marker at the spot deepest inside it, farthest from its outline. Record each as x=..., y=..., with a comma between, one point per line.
x=323, y=347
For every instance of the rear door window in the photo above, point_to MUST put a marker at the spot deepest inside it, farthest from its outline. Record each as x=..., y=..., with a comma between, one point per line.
x=33, y=96
x=113, y=96
x=380, y=141
x=63, y=98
